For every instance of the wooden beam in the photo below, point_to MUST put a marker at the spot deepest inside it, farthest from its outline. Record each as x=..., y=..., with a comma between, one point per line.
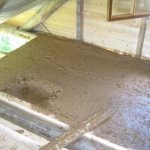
x=31, y=120
x=13, y=30
x=80, y=20
x=74, y=133
x=13, y=138
x=97, y=141
x=141, y=38
x=49, y=7
x=109, y=10
x=14, y=10
x=133, y=7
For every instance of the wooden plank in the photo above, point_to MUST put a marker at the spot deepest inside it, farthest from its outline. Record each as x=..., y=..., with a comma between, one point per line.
x=13, y=140
x=19, y=138
x=49, y=7
x=97, y=141
x=80, y=20
x=23, y=131
x=9, y=12
x=31, y=120
x=141, y=38
x=77, y=131
x=109, y=9
x=133, y=7
x=13, y=30
x=22, y=18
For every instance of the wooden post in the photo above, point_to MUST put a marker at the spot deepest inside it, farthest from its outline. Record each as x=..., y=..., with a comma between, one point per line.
x=49, y=7
x=109, y=10
x=141, y=38
x=80, y=20
x=133, y=7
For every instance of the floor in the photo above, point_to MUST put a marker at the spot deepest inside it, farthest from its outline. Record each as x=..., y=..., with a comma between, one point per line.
x=76, y=80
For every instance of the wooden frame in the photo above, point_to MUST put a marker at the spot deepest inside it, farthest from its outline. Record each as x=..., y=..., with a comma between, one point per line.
x=131, y=15
x=48, y=8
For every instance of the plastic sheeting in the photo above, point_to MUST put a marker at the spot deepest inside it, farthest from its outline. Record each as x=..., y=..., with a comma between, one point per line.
x=9, y=42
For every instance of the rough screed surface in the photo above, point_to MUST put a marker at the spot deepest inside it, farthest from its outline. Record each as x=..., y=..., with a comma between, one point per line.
x=77, y=80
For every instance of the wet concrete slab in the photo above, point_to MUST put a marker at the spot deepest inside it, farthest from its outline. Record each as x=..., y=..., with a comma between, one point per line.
x=77, y=80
